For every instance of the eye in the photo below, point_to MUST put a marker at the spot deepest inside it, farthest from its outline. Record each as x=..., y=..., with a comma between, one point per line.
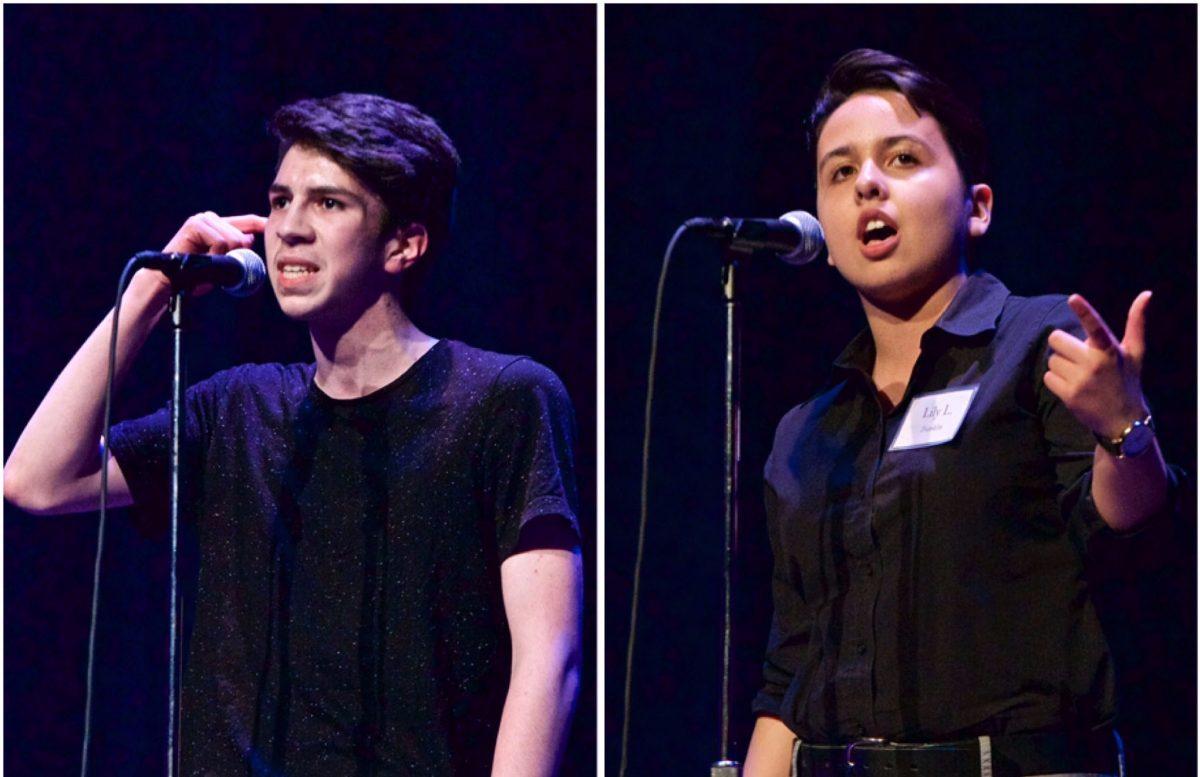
x=329, y=203
x=905, y=159
x=840, y=173
x=278, y=202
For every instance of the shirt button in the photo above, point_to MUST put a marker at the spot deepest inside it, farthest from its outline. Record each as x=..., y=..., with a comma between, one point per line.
x=860, y=647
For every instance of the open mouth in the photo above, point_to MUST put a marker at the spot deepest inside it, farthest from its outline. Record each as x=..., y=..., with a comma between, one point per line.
x=295, y=273
x=877, y=231
x=295, y=266
x=878, y=234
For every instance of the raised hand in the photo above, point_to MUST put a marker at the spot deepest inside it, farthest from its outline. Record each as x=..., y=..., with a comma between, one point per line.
x=205, y=233
x=1099, y=380
x=208, y=233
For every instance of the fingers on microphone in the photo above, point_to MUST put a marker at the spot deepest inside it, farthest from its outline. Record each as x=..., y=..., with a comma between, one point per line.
x=209, y=238
x=249, y=222
x=227, y=235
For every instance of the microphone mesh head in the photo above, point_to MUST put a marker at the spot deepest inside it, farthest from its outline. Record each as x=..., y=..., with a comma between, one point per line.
x=255, y=272
x=812, y=237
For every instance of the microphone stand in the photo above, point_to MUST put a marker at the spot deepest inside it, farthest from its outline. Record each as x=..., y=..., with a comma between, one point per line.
x=724, y=767
x=177, y=390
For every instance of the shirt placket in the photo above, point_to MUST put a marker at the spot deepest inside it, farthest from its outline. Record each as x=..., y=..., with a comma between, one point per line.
x=856, y=656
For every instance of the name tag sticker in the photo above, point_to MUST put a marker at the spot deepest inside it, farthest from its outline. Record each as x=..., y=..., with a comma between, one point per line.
x=933, y=419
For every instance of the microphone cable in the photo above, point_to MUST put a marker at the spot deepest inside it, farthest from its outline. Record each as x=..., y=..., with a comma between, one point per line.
x=108, y=389
x=641, y=542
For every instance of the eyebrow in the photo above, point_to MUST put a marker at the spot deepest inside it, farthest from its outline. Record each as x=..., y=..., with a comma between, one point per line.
x=887, y=142
x=318, y=191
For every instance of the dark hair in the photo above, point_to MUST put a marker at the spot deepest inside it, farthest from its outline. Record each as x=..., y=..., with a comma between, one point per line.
x=397, y=152
x=864, y=69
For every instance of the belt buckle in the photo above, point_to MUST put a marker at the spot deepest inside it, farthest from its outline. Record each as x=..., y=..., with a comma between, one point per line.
x=858, y=743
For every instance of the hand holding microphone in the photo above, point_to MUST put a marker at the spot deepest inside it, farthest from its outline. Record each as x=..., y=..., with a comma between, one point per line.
x=218, y=252
x=208, y=233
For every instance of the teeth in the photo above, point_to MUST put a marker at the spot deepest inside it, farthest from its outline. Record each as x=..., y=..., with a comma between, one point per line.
x=875, y=224
x=293, y=270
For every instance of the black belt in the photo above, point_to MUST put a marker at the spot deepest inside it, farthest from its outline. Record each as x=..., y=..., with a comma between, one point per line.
x=1007, y=756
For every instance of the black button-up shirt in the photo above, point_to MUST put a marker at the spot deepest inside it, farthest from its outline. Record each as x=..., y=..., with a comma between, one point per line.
x=936, y=593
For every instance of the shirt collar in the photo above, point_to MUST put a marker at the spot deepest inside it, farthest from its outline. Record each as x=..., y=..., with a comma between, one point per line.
x=859, y=355
x=974, y=310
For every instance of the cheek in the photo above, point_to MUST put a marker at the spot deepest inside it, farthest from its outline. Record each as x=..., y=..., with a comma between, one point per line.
x=939, y=217
x=271, y=232
x=824, y=211
x=836, y=221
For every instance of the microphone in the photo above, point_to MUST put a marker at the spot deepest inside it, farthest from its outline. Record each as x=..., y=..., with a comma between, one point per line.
x=241, y=272
x=796, y=236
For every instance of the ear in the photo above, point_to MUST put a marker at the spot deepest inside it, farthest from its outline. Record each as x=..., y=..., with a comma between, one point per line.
x=980, y=210
x=406, y=246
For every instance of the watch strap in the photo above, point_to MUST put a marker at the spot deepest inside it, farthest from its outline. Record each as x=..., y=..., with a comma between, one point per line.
x=1116, y=445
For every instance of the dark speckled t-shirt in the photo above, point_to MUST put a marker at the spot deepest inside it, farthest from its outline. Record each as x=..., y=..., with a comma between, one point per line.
x=349, y=617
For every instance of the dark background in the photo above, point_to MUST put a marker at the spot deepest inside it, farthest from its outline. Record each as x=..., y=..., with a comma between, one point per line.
x=123, y=121
x=1091, y=116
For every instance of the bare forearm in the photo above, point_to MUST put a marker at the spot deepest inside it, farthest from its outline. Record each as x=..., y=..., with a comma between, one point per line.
x=60, y=445
x=55, y=465
x=770, y=753
x=537, y=716
x=1130, y=490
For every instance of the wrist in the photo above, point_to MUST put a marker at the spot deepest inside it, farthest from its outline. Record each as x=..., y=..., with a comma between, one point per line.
x=1132, y=440
x=148, y=290
x=1116, y=423
x=144, y=301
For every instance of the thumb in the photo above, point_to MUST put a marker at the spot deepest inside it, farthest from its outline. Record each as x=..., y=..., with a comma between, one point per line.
x=1134, y=342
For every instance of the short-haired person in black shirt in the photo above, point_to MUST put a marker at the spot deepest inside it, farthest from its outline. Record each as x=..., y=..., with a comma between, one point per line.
x=390, y=577
x=929, y=510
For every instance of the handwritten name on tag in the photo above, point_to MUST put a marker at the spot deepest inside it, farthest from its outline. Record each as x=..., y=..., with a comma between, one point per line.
x=933, y=419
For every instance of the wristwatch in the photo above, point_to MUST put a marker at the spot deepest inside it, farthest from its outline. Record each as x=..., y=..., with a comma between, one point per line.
x=1132, y=442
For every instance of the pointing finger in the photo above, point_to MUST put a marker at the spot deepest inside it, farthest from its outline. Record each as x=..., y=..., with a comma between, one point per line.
x=1135, y=327
x=1099, y=335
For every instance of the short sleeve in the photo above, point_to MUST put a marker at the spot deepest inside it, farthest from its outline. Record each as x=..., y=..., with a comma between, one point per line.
x=142, y=449
x=528, y=451
x=791, y=623
x=1071, y=446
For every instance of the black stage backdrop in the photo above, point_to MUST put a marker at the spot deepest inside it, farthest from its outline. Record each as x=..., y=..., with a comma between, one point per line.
x=1091, y=115
x=122, y=121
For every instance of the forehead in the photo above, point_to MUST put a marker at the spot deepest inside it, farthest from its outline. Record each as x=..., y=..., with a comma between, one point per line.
x=306, y=168
x=869, y=116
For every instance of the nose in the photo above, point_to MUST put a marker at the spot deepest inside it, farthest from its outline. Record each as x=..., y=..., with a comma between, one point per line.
x=870, y=184
x=292, y=226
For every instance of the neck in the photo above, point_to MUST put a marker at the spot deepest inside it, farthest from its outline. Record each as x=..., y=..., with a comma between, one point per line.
x=897, y=327
x=358, y=357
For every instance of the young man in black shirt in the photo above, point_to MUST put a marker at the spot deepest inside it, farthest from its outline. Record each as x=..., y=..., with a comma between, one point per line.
x=390, y=580
x=929, y=510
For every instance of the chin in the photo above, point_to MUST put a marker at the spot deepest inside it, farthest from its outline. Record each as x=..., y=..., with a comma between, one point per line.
x=298, y=309
x=894, y=281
